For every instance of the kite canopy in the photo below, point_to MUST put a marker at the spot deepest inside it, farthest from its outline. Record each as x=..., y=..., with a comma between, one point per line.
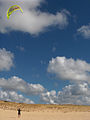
x=12, y=9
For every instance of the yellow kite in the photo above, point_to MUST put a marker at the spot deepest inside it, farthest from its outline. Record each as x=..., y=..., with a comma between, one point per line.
x=12, y=9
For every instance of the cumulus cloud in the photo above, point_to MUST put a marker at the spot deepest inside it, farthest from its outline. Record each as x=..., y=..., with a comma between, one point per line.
x=49, y=97
x=32, y=20
x=84, y=31
x=17, y=84
x=6, y=59
x=78, y=93
x=75, y=94
x=71, y=94
x=69, y=69
x=14, y=97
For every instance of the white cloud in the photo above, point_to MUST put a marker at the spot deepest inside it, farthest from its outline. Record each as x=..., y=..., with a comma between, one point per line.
x=32, y=20
x=17, y=84
x=78, y=93
x=49, y=97
x=70, y=69
x=75, y=94
x=6, y=59
x=10, y=87
x=77, y=71
x=14, y=97
x=84, y=31
x=71, y=94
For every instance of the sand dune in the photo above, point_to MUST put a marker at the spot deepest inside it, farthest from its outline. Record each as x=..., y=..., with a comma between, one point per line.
x=8, y=111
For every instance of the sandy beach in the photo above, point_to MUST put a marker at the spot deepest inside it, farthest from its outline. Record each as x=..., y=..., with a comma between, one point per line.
x=8, y=111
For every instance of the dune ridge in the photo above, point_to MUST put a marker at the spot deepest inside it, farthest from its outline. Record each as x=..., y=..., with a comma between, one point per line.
x=43, y=107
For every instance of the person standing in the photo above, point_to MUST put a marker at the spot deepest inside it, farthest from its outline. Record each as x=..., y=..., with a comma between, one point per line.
x=19, y=112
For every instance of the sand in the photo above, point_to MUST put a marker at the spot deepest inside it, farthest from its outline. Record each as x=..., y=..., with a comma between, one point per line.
x=8, y=111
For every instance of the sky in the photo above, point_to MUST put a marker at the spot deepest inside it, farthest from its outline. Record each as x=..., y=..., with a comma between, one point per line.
x=44, y=52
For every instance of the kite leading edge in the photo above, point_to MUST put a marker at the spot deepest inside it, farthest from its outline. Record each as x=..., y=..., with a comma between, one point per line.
x=12, y=9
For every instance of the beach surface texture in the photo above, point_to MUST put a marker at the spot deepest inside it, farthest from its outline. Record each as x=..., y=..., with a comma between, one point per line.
x=8, y=111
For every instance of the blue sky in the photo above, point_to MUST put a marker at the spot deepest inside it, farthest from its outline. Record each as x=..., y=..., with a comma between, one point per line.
x=44, y=52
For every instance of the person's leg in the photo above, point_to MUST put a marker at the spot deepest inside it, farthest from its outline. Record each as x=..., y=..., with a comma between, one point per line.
x=19, y=115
